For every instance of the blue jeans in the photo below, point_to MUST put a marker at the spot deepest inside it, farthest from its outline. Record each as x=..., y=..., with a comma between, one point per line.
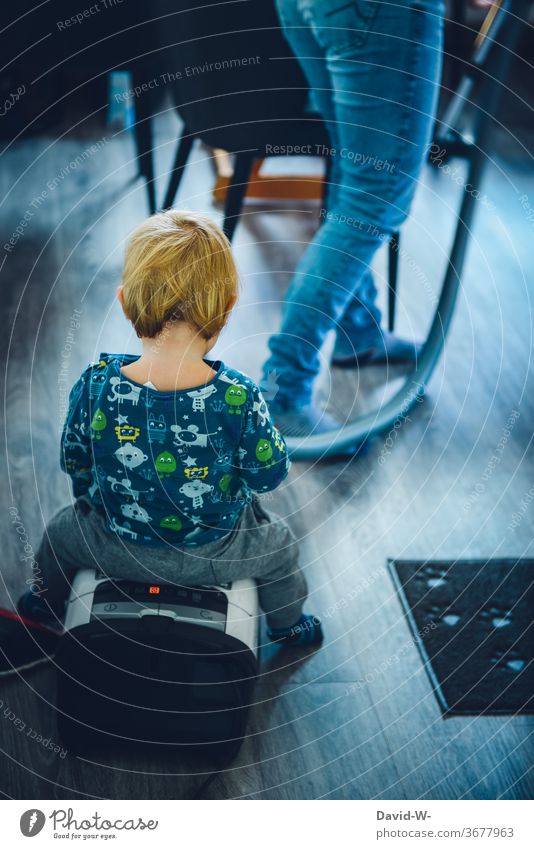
x=373, y=69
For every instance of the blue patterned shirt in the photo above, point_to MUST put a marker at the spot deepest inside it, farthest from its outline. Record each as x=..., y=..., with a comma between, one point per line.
x=172, y=467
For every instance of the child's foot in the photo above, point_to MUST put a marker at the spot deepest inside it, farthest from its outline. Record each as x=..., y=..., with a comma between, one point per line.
x=391, y=349
x=33, y=607
x=24, y=643
x=306, y=632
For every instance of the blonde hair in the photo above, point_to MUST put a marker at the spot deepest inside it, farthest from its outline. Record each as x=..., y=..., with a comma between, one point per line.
x=178, y=267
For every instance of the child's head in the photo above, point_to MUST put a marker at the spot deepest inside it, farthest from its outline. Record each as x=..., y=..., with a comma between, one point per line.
x=178, y=267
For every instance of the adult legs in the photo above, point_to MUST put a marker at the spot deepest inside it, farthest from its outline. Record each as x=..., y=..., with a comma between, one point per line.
x=362, y=319
x=382, y=72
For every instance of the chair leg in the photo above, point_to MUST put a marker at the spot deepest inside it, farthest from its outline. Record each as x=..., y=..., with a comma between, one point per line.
x=145, y=108
x=236, y=192
x=183, y=149
x=327, y=177
x=145, y=157
x=393, y=274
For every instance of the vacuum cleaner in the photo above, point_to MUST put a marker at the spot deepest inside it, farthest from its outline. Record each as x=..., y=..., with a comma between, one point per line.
x=157, y=664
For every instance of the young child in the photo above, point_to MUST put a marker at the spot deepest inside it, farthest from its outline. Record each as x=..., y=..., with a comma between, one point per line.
x=166, y=450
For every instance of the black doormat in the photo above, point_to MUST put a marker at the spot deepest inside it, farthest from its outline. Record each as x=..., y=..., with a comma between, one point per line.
x=473, y=621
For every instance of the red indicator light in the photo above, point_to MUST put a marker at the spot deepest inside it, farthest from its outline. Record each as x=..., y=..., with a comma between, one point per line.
x=153, y=590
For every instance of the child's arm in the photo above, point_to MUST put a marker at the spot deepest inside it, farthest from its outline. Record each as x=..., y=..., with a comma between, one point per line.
x=263, y=459
x=76, y=456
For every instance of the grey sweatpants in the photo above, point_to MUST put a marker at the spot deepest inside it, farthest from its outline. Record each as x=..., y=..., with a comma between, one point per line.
x=261, y=546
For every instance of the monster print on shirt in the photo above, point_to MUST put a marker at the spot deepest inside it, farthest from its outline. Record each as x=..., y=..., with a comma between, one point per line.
x=170, y=467
x=126, y=432
x=189, y=436
x=199, y=397
x=157, y=428
x=130, y=455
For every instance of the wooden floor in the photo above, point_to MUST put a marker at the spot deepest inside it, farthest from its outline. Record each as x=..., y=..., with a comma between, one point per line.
x=358, y=718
